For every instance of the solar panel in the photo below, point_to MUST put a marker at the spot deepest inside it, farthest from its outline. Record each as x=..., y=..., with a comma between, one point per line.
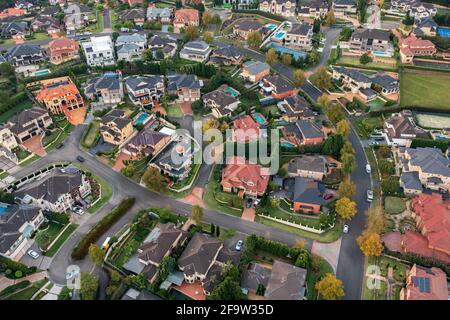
x=422, y=283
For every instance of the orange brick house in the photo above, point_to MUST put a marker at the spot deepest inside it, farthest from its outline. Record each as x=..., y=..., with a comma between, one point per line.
x=245, y=129
x=62, y=49
x=184, y=18
x=60, y=96
x=244, y=177
x=413, y=46
x=425, y=284
x=277, y=87
x=12, y=12
x=305, y=194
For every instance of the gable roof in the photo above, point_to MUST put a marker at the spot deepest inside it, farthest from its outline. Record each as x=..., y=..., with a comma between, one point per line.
x=229, y=51
x=430, y=160
x=242, y=173
x=371, y=34
x=108, y=81
x=309, y=129
x=426, y=284
x=287, y=282
x=23, y=50
x=308, y=163
x=131, y=14
x=297, y=105
x=280, y=84
x=255, y=67
x=143, y=82
x=248, y=25
x=19, y=121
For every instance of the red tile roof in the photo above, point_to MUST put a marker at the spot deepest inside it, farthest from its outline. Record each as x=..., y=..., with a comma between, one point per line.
x=242, y=174
x=425, y=284
x=433, y=219
x=245, y=129
x=186, y=16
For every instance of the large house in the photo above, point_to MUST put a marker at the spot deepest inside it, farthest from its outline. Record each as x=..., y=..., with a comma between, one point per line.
x=163, y=15
x=99, y=51
x=56, y=190
x=286, y=282
x=255, y=71
x=60, y=96
x=145, y=90
x=77, y=17
x=185, y=86
x=244, y=177
x=130, y=47
x=299, y=36
x=221, y=101
x=295, y=108
x=116, y=127
x=14, y=30
x=137, y=15
x=344, y=7
x=7, y=144
x=198, y=51
x=167, y=45
x=412, y=46
x=425, y=284
x=431, y=165
x=227, y=55
x=370, y=41
x=29, y=123
x=12, y=13
x=303, y=132
x=243, y=28
x=425, y=27
x=285, y=8
x=47, y=24
x=415, y=8
x=400, y=129
x=62, y=50
x=17, y=224
x=146, y=143
x=25, y=55
x=107, y=89
x=184, y=18
x=277, y=87
x=245, y=129
x=312, y=167
x=316, y=9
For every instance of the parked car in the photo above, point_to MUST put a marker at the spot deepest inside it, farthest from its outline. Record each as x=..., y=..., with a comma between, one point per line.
x=345, y=230
x=368, y=168
x=80, y=159
x=33, y=254
x=373, y=143
x=59, y=146
x=239, y=245
x=369, y=195
x=78, y=210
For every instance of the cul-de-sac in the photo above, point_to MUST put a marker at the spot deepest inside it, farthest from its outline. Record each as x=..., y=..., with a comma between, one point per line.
x=224, y=150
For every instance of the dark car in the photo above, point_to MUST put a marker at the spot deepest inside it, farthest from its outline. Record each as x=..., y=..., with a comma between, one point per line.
x=80, y=159
x=59, y=146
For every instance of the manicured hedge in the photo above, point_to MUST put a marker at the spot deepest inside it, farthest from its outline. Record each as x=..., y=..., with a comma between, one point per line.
x=261, y=13
x=13, y=288
x=81, y=250
x=420, y=260
x=13, y=101
x=13, y=267
x=423, y=143
x=60, y=217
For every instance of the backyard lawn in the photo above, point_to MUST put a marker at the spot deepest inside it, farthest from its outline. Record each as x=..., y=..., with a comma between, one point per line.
x=365, y=126
x=28, y=293
x=394, y=205
x=430, y=90
x=174, y=110
x=313, y=276
x=355, y=63
x=45, y=237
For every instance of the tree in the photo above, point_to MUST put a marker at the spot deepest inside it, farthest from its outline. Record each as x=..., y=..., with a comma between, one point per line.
x=154, y=180
x=330, y=19
x=321, y=78
x=348, y=163
x=299, y=78
x=314, y=57
x=191, y=32
x=96, y=254
x=390, y=185
x=323, y=101
x=364, y=59
x=333, y=144
x=216, y=19
x=206, y=18
x=217, y=231
x=213, y=229
x=347, y=148
x=128, y=24
x=147, y=55
x=254, y=39
x=159, y=54
x=335, y=113
x=208, y=37
x=65, y=294
x=370, y=244
x=178, y=4
x=330, y=288
x=303, y=259
x=197, y=214
x=89, y=286
x=347, y=189
x=300, y=244
x=376, y=220
x=228, y=289
x=346, y=208
x=271, y=56
x=6, y=197
x=386, y=167
x=286, y=59
x=166, y=267
x=343, y=127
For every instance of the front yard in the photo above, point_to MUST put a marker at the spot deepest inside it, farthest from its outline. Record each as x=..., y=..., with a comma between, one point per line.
x=354, y=62
x=394, y=205
x=91, y=135
x=429, y=90
x=46, y=236
x=365, y=126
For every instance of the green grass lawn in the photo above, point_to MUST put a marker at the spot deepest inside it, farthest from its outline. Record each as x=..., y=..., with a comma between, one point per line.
x=27, y=104
x=365, y=126
x=29, y=292
x=376, y=104
x=40, y=36
x=174, y=111
x=45, y=237
x=394, y=205
x=295, y=218
x=54, y=140
x=30, y=160
x=21, y=153
x=425, y=90
x=91, y=135
x=106, y=194
x=213, y=191
x=64, y=236
x=352, y=61
x=313, y=276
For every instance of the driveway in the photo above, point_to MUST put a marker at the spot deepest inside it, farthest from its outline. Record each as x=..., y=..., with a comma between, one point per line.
x=34, y=145
x=76, y=116
x=6, y=164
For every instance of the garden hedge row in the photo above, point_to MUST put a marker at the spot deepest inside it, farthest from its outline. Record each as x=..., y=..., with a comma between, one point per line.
x=13, y=101
x=420, y=260
x=8, y=264
x=82, y=248
x=261, y=13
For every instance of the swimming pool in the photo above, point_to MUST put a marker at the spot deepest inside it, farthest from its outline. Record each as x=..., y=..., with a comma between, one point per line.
x=444, y=32
x=381, y=53
x=296, y=54
x=259, y=118
x=142, y=119
x=42, y=72
x=2, y=210
x=286, y=144
x=279, y=35
x=270, y=26
x=233, y=92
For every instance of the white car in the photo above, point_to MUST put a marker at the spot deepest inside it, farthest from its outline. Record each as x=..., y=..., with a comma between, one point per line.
x=78, y=210
x=345, y=230
x=369, y=195
x=239, y=245
x=368, y=168
x=33, y=254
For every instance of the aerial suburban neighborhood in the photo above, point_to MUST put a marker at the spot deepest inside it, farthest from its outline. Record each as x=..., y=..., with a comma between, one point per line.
x=252, y=150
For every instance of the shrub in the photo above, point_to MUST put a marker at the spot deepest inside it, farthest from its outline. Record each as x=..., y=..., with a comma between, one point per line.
x=81, y=250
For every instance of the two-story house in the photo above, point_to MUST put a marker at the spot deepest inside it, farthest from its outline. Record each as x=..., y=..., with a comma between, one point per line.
x=116, y=127
x=285, y=8
x=145, y=90
x=198, y=51
x=99, y=51
x=185, y=86
x=29, y=123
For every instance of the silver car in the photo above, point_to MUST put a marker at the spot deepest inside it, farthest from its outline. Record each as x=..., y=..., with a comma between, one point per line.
x=33, y=254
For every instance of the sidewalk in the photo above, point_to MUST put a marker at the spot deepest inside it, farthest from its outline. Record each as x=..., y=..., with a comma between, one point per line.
x=5, y=282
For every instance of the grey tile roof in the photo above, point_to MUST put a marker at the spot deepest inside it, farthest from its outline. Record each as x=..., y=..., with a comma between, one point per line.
x=375, y=34
x=255, y=67
x=309, y=129
x=307, y=163
x=354, y=74
x=430, y=160
x=411, y=181
x=131, y=14
x=298, y=106
x=109, y=81
x=368, y=92
x=131, y=38
x=117, y=117
x=157, y=40
x=23, y=50
x=196, y=45
x=11, y=221
x=287, y=282
x=344, y=2
x=301, y=29
x=178, y=81
x=229, y=51
x=255, y=275
x=281, y=85
x=304, y=190
x=146, y=137
x=385, y=81
x=127, y=47
x=221, y=98
x=248, y=25
x=199, y=253
x=143, y=82
x=10, y=28
x=19, y=121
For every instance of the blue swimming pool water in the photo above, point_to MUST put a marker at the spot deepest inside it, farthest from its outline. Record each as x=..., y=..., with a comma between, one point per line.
x=287, y=145
x=42, y=72
x=141, y=119
x=270, y=26
x=444, y=32
x=233, y=92
x=296, y=54
x=280, y=35
x=2, y=210
x=259, y=118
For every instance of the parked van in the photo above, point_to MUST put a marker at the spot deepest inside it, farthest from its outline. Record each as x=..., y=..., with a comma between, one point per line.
x=105, y=245
x=368, y=168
